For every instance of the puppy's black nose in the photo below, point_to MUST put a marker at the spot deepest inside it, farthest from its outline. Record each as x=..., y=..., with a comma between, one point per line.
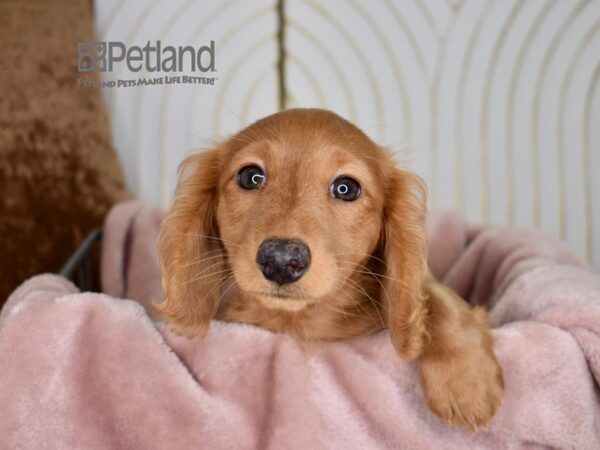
x=283, y=261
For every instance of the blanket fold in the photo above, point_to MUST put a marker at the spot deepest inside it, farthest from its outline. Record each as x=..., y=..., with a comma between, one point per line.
x=94, y=371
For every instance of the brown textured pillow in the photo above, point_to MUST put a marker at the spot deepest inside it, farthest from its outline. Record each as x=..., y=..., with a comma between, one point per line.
x=58, y=172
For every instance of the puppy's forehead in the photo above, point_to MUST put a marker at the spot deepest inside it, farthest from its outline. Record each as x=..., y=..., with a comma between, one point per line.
x=306, y=136
x=299, y=152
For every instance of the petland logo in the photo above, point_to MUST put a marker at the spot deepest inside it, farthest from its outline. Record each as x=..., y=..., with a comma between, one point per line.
x=107, y=56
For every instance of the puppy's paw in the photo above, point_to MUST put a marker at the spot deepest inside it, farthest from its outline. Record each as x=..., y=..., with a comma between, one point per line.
x=464, y=390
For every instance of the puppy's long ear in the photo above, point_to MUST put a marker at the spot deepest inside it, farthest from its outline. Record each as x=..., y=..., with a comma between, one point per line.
x=191, y=256
x=404, y=251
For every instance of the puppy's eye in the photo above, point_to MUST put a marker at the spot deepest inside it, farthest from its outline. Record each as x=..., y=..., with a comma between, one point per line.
x=251, y=177
x=345, y=188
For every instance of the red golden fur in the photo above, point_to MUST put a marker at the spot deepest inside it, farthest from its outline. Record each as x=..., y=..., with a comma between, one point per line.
x=368, y=269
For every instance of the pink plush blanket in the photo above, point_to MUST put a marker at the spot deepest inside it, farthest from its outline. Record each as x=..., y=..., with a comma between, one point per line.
x=93, y=371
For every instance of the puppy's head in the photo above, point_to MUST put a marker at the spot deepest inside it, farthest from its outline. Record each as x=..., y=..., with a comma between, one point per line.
x=289, y=210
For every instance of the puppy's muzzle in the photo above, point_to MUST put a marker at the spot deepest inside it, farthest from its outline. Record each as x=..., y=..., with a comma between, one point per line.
x=283, y=261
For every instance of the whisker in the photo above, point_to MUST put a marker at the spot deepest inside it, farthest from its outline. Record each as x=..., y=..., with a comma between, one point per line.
x=205, y=276
x=376, y=276
x=218, y=239
x=210, y=267
x=217, y=250
x=239, y=138
x=369, y=271
x=228, y=277
x=355, y=303
x=201, y=260
x=371, y=299
x=340, y=310
x=218, y=283
x=363, y=254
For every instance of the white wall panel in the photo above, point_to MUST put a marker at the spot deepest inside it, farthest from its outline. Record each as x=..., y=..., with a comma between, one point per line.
x=155, y=127
x=494, y=102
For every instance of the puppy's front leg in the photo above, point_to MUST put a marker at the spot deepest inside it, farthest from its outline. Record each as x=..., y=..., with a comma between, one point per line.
x=461, y=378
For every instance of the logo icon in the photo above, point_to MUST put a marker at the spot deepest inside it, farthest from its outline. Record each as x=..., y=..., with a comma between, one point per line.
x=92, y=57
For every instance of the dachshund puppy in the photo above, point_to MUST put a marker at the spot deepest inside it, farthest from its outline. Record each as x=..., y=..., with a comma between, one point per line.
x=301, y=224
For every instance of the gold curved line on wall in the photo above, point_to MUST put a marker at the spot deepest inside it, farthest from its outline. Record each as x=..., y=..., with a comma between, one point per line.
x=111, y=18
x=429, y=19
x=233, y=31
x=487, y=89
x=179, y=12
x=220, y=100
x=310, y=77
x=133, y=32
x=412, y=41
x=361, y=55
x=164, y=160
x=455, y=5
x=291, y=100
x=330, y=58
x=130, y=37
x=223, y=43
x=462, y=82
x=550, y=51
x=433, y=107
x=585, y=41
x=533, y=30
x=400, y=80
x=251, y=91
x=587, y=170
